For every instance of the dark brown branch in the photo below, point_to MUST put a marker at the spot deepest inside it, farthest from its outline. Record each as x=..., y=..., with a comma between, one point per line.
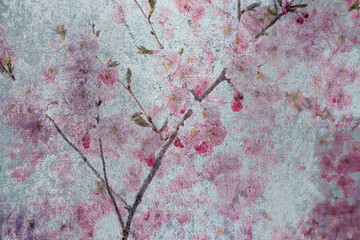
x=148, y=117
x=97, y=174
x=108, y=187
x=262, y=32
x=150, y=24
x=239, y=10
x=220, y=79
x=165, y=146
x=290, y=8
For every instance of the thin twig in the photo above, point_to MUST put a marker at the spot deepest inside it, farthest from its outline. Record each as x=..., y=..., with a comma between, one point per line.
x=165, y=146
x=153, y=33
x=239, y=10
x=151, y=26
x=220, y=79
x=267, y=27
x=291, y=7
x=108, y=187
x=149, y=118
x=97, y=174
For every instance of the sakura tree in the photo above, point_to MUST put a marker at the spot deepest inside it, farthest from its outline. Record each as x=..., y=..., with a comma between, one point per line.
x=183, y=119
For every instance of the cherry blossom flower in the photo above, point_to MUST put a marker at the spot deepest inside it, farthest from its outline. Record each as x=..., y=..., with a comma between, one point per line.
x=119, y=13
x=108, y=76
x=114, y=130
x=168, y=63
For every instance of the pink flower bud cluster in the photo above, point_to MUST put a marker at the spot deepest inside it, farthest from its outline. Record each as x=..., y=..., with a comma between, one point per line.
x=236, y=105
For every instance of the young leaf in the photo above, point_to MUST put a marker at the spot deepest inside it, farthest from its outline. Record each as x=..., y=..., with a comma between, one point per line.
x=151, y=7
x=61, y=30
x=128, y=77
x=144, y=50
x=138, y=120
x=113, y=64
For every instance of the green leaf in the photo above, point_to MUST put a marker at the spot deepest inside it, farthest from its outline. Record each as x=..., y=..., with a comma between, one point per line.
x=61, y=30
x=280, y=2
x=138, y=120
x=253, y=6
x=144, y=50
x=113, y=64
x=151, y=7
x=354, y=6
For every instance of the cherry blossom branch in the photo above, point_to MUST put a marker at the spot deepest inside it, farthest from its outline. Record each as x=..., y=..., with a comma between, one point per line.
x=163, y=149
x=97, y=174
x=148, y=117
x=108, y=186
x=290, y=8
x=220, y=79
x=262, y=32
x=150, y=24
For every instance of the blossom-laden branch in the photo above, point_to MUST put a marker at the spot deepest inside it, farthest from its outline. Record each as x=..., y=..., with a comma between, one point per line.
x=163, y=149
x=148, y=117
x=149, y=21
x=97, y=174
x=288, y=7
x=108, y=186
x=220, y=79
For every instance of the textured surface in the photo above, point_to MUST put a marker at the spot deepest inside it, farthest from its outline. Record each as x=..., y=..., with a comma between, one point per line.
x=260, y=173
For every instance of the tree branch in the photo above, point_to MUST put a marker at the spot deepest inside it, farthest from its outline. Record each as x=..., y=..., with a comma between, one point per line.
x=163, y=149
x=220, y=79
x=267, y=27
x=239, y=10
x=97, y=174
x=148, y=117
x=108, y=187
x=151, y=26
x=290, y=8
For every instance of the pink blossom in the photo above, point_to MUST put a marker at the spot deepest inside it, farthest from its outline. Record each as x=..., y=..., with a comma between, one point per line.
x=114, y=130
x=81, y=45
x=64, y=168
x=133, y=177
x=177, y=99
x=86, y=140
x=79, y=100
x=202, y=148
x=183, y=181
x=119, y=13
x=147, y=148
x=348, y=164
x=178, y=143
x=236, y=106
x=168, y=63
x=222, y=163
x=241, y=43
x=164, y=20
x=148, y=222
x=108, y=76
